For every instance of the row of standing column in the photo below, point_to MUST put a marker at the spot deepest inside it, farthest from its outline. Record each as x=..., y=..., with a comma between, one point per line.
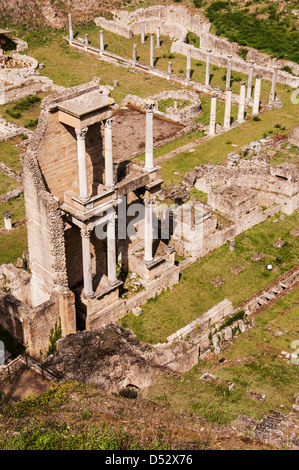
x=82, y=167
x=86, y=257
x=188, y=72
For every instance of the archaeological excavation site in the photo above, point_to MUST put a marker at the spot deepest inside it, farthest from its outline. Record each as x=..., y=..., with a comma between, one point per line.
x=149, y=232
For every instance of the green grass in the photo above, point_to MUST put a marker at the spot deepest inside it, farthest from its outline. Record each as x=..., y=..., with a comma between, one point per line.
x=24, y=112
x=195, y=294
x=16, y=206
x=264, y=373
x=10, y=154
x=12, y=244
x=7, y=184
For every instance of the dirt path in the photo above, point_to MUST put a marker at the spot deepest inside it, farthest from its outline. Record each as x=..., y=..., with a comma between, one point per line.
x=26, y=383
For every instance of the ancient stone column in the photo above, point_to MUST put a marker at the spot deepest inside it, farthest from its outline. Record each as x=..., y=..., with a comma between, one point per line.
x=86, y=39
x=109, y=182
x=7, y=220
x=111, y=251
x=232, y=244
x=212, y=131
x=86, y=260
x=229, y=71
x=143, y=32
x=102, y=45
x=242, y=99
x=257, y=96
x=273, y=85
x=158, y=37
x=250, y=79
x=83, y=184
x=208, y=64
x=228, y=107
x=148, y=231
x=188, y=73
x=175, y=105
x=152, y=46
x=169, y=72
x=134, y=54
x=71, y=31
x=149, y=141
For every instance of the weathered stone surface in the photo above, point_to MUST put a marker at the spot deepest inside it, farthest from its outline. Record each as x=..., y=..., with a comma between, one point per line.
x=257, y=257
x=255, y=396
x=218, y=281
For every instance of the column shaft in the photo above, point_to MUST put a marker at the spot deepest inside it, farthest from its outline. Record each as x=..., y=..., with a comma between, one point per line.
x=228, y=106
x=208, y=64
x=71, y=32
x=229, y=71
x=102, y=45
x=212, y=131
x=109, y=180
x=257, y=95
x=250, y=81
x=111, y=251
x=149, y=141
x=158, y=37
x=86, y=259
x=241, y=113
x=83, y=183
x=188, y=74
x=143, y=32
x=148, y=231
x=273, y=85
x=152, y=45
x=134, y=53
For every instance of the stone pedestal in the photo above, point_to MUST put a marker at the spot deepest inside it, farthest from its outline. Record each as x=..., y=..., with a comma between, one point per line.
x=212, y=131
x=83, y=184
x=149, y=138
x=228, y=106
x=257, y=96
x=109, y=183
x=241, y=113
x=208, y=65
x=7, y=220
x=250, y=79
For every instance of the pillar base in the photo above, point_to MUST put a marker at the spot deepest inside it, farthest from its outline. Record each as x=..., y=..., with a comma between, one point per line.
x=149, y=170
x=88, y=296
x=84, y=200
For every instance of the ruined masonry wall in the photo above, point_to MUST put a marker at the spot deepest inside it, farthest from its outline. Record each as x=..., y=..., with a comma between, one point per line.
x=60, y=169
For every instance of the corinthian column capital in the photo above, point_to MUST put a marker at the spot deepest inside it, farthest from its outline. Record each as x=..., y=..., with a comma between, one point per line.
x=81, y=133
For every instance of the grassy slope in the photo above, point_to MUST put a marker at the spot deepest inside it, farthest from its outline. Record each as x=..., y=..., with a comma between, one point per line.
x=261, y=371
x=195, y=294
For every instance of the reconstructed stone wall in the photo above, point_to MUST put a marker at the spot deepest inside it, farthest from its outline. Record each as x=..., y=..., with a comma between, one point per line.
x=60, y=169
x=32, y=326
